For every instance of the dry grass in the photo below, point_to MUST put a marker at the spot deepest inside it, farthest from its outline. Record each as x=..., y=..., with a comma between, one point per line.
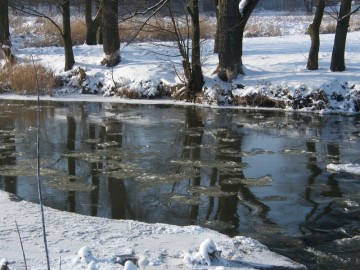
x=44, y=33
x=21, y=78
x=160, y=29
x=261, y=30
x=78, y=31
x=124, y=92
x=154, y=29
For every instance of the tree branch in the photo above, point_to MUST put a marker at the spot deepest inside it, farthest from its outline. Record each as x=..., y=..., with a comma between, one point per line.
x=33, y=12
x=157, y=7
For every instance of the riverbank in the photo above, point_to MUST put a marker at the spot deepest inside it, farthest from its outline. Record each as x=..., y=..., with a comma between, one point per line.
x=157, y=246
x=276, y=76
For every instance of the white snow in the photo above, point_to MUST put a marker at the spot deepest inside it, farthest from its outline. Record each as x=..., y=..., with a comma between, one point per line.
x=348, y=168
x=242, y=4
x=275, y=67
x=83, y=242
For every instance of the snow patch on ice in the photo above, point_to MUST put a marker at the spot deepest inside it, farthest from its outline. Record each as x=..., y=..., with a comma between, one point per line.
x=348, y=168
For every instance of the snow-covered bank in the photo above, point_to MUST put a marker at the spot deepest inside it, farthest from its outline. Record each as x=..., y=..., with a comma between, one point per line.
x=158, y=246
x=276, y=75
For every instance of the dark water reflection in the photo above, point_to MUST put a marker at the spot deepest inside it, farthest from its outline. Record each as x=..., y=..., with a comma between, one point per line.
x=260, y=174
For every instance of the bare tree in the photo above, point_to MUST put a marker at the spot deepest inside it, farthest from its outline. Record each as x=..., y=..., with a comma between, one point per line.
x=5, y=42
x=338, y=53
x=314, y=32
x=189, y=46
x=92, y=25
x=196, y=80
x=66, y=34
x=64, y=30
x=231, y=22
x=110, y=31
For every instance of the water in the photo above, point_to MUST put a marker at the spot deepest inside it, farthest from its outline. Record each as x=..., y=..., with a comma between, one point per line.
x=255, y=173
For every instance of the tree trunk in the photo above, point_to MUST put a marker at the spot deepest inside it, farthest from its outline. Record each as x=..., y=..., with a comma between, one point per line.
x=216, y=39
x=99, y=35
x=5, y=42
x=245, y=13
x=338, y=53
x=231, y=25
x=66, y=35
x=92, y=26
x=196, y=78
x=314, y=32
x=110, y=30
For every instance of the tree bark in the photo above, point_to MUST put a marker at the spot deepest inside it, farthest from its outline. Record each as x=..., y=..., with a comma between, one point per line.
x=338, y=53
x=5, y=42
x=92, y=25
x=196, y=81
x=216, y=39
x=66, y=35
x=110, y=31
x=314, y=32
x=231, y=29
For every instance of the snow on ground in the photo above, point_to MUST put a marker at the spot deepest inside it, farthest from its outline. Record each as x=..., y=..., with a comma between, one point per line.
x=275, y=67
x=83, y=242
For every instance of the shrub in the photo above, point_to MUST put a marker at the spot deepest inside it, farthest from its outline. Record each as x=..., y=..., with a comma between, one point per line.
x=22, y=79
x=261, y=30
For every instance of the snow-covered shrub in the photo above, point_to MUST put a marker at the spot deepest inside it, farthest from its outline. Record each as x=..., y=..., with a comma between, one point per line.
x=85, y=255
x=208, y=254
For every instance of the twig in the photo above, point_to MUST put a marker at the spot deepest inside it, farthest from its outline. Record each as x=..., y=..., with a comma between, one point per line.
x=38, y=166
x=157, y=8
x=21, y=243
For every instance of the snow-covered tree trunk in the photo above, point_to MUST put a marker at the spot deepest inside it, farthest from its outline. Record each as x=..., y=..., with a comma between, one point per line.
x=110, y=31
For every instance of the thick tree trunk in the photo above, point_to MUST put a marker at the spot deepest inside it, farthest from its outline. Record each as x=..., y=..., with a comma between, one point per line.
x=5, y=42
x=231, y=23
x=338, y=53
x=229, y=40
x=99, y=35
x=110, y=30
x=66, y=35
x=314, y=32
x=196, y=78
x=245, y=13
x=92, y=26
